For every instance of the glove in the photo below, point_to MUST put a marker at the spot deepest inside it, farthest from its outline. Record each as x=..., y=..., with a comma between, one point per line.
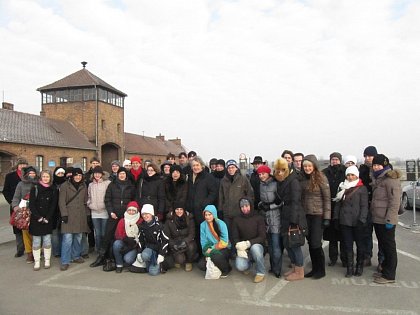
x=130, y=242
x=244, y=245
x=326, y=223
x=242, y=253
x=277, y=201
x=389, y=226
x=160, y=259
x=65, y=219
x=180, y=245
x=265, y=206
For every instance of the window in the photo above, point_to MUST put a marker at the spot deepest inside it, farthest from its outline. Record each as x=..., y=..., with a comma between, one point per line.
x=103, y=123
x=62, y=96
x=84, y=164
x=39, y=162
x=118, y=128
x=103, y=95
x=75, y=95
x=63, y=161
x=89, y=94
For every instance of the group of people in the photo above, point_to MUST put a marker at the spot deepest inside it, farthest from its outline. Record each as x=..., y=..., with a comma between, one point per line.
x=150, y=219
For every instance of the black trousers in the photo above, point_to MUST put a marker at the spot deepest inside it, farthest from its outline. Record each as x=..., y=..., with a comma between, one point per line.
x=350, y=235
x=386, y=241
x=315, y=231
x=108, y=238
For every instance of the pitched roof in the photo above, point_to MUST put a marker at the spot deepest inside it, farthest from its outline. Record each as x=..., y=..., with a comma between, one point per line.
x=81, y=78
x=17, y=127
x=151, y=146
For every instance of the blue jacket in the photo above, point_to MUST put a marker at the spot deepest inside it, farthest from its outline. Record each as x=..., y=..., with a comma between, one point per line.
x=207, y=238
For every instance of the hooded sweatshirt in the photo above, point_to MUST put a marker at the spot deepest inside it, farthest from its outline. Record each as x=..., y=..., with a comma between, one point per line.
x=208, y=236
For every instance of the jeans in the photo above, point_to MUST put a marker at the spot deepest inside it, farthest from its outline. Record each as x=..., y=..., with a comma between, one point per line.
x=56, y=239
x=150, y=256
x=275, y=249
x=85, y=244
x=295, y=255
x=99, y=226
x=70, y=247
x=46, y=241
x=128, y=258
x=255, y=255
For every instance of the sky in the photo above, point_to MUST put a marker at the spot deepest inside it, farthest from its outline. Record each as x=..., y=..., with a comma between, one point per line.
x=232, y=76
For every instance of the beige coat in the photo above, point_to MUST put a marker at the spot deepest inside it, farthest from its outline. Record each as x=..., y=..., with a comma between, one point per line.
x=317, y=202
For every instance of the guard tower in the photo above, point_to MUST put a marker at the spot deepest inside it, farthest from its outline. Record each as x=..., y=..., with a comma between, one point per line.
x=92, y=106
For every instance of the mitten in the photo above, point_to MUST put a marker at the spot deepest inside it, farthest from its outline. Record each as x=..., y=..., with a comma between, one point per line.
x=389, y=226
x=241, y=245
x=160, y=259
x=326, y=223
x=242, y=253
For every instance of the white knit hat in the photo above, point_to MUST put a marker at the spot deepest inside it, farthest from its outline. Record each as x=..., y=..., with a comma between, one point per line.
x=148, y=208
x=126, y=163
x=350, y=158
x=352, y=170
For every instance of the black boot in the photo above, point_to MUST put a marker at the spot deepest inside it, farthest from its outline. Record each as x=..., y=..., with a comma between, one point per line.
x=320, y=261
x=313, y=260
x=350, y=266
x=100, y=260
x=359, y=265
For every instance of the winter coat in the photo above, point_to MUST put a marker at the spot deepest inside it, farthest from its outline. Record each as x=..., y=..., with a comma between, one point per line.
x=175, y=193
x=353, y=207
x=249, y=227
x=201, y=193
x=231, y=191
x=76, y=210
x=11, y=181
x=176, y=234
x=254, y=180
x=22, y=191
x=268, y=193
x=290, y=193
x=207, y=239
x=386, y=197
x=365, y=174
x=96, y=198
x=317, y=202
x=118, y=195
x=152, y=191
x=151, y=235
x=120, y=233
x=42, y=202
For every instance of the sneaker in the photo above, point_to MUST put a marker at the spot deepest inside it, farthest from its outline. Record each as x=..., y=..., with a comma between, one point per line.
x=258, y=278
x=119, y=269
x=224, y=275
x=177, y=266
x=64, y=267
x=246, y=272
x=19, y=254
x=377, y=275
x=383, y=280
x=79, y=260
x=188, y=266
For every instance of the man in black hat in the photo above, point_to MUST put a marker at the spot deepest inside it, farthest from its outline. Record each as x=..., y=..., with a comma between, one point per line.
x=10, y=183
x=255, y=180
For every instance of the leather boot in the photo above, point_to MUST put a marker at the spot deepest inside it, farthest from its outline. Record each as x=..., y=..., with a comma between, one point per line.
x=100, y=261
x=320, y=260
x=359, y=265
x=350, y=266
x=47, y=257
x=37, y=257
x=297, y=275
x=29, y=258
x=314, y=264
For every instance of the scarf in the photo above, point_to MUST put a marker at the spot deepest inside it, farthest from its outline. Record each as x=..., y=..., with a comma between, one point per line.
x=344, y=186
x=181, y=222
x=75, y=184
x=376, y=174
x=130, y=221
x=135, y=173
x=44, y=185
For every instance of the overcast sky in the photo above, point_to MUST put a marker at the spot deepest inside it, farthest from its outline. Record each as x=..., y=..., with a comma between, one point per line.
x=231, y=77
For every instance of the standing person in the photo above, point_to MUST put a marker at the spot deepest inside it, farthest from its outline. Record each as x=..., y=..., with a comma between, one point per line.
x=42, y=202
x=74, y=212
x=59, y=177
x=219, y=174
x=180, y=229
x=151, y=190
x=335, y=173
x=127, y=165
x=183, y=161
x=212, y=165
x=89, y=174
x=269, y=207
x=297, y=162
x=316, y=200
x=153, y=243
x=23, y=188
x=165, y=169
x=11, y=181
x=288, y=156
x=233, y=187
x=351, y=210
x=176, y=189
x=136, y=171
x=366, y=175
x=248, y=234
x=115, y=165
x=127, y=237
x=255, y=180
x=96, y=203
x=118, y=195
x=292, y=214
x=214, y=240
x=386, y=198
x=350, y=160
x=170, y=157
x=202, y=191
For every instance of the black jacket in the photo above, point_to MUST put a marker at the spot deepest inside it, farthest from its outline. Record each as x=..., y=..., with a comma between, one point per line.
x=250, y=227
x=151, y=235
x=152, y=191
x=254, y=179
x=175, y=193
x=177, y=234
x=118, y=195
x=43, y=203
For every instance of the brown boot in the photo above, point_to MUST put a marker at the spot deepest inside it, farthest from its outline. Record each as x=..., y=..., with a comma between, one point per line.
x=30, y=258
x=290, y=271
x=299, y=274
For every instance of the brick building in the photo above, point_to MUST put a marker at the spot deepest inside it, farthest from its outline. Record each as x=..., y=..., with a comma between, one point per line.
x=81, y=116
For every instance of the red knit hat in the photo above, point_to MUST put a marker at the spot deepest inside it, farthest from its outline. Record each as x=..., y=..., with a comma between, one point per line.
x=133, y=204
x=135, y=159
x=264, y=169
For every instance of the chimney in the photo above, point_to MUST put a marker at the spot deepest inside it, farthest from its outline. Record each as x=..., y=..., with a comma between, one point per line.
x=176, y=141
x=8, y=106
x=160, y=137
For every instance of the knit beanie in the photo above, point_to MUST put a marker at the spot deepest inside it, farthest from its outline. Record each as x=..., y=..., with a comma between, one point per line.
x=244, y=202
x=336, y=155
x=350, y=158
x=148, y=208
x=126, y=163
x=352, y=170
x=122, y=169
x=263, y=169
x=133, y=205
x=116, y=162
x=176, y=167
x=221, y=162
x=380, y=159
x=77, y=171
x=370, y=151
x=26, y=170
x=135, y=159
x=213, y=161
x=192, y=154
x=311, y=158
x=231, y=162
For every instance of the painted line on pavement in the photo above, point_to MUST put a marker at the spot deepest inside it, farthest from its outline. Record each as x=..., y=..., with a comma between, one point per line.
x=404, y=253
x=81, y=287
x=409, y=227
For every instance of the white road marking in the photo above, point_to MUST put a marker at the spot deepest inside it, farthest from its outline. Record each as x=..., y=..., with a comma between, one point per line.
x=409, y=227
x=275, y=290
x=404, y=253
x=80, y=287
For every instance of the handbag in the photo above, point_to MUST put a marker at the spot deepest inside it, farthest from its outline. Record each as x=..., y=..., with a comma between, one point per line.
x=295, y=237
x=21, y=217
x=212, y=272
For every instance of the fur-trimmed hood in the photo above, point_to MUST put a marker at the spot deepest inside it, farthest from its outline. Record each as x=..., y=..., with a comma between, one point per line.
x=395, y=174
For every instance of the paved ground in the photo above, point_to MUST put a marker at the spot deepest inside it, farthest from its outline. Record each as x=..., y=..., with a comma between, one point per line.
x=84, y=290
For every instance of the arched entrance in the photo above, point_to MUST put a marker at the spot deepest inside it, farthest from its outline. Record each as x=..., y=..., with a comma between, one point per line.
x=6, y=164
x=110, y=152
